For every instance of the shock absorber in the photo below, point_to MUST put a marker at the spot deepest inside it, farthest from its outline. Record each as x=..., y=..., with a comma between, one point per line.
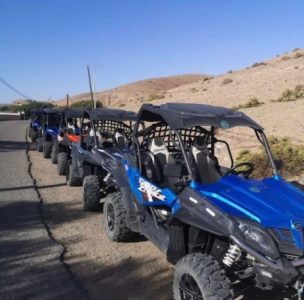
x=232, y=255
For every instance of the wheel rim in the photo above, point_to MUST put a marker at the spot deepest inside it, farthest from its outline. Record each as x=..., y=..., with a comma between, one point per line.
x=110, y=217
x=189, y=289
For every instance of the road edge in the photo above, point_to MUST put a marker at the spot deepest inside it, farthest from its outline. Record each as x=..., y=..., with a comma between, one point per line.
x=63, y=250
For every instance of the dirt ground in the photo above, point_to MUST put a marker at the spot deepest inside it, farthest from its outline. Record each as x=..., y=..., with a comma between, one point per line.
x=105, y=269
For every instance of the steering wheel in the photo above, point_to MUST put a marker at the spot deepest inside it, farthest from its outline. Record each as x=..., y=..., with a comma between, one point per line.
x=246, y=173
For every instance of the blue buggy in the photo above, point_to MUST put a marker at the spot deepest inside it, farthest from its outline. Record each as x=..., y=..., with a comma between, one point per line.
x=48, y=131
x=35, y=123
x=214, y=223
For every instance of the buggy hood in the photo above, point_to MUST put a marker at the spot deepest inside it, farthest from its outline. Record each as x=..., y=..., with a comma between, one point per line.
x=272, y=202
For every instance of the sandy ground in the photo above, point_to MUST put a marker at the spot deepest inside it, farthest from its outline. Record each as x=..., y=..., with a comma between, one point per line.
x=105, y=269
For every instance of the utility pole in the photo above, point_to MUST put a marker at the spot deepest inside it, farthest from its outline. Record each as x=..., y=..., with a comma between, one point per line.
x=91, y=91
x=67, y=100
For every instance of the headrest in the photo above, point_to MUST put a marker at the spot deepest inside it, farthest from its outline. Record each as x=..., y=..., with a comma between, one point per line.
x=157, y=145
x=200, y=143
x=120, y=138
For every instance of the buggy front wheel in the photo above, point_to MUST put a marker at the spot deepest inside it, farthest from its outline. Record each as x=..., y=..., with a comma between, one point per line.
x=115, y=219
x=199, y=276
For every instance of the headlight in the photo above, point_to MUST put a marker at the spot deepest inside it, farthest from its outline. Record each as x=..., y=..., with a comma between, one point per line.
x=257, y=238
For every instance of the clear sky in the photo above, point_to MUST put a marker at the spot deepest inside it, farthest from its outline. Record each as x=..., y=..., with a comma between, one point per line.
x=45, y=45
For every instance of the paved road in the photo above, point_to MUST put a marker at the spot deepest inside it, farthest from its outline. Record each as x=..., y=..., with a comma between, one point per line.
x=30, y=266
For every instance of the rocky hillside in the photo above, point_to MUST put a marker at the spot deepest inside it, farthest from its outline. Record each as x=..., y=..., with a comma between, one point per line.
x=272, y=91
x=139, y=91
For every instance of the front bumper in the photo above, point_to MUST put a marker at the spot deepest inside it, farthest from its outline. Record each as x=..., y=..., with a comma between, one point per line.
x=273, y=272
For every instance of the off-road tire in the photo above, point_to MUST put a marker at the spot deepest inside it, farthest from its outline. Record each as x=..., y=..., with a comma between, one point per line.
x=119, y=232
x=62, y=161
x=54, y=154
x=47, y=149
x=208, y=276
x=72, y=176
x=91, y=193
x=39, y=144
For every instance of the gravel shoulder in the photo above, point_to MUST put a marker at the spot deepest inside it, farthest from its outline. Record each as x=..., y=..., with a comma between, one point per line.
x=106, y=270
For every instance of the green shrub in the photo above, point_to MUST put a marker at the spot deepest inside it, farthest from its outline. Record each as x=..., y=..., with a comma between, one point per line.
x=291, y=95
x=282, y=149
x=85, y=104
x=26, y=107
x=227, y=81
x=252, y=102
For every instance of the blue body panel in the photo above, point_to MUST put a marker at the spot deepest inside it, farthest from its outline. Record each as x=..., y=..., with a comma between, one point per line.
x=162, y=197
x=36, y=125
x=53, y=131
x=271, y=202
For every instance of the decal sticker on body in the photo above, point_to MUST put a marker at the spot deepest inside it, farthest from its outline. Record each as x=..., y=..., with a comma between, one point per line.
x=150, y=192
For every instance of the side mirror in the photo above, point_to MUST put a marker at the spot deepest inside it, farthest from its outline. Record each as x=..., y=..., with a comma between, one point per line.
x=279, y=163
x=173, y=170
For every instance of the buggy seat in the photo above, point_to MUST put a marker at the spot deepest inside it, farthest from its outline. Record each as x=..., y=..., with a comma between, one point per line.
x=206, y=167
x=156, y=158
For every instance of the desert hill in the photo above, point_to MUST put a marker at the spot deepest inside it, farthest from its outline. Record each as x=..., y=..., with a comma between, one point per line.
x=263, y=83
x=138, y=91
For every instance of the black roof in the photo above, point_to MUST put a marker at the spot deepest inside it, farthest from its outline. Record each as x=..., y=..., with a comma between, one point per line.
x=180, y=115
x=52, y=110
x=73, y=113
x=111, y=114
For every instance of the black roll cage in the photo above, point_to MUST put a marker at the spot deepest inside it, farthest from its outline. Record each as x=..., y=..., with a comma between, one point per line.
x=108, y=123
x=213, y=140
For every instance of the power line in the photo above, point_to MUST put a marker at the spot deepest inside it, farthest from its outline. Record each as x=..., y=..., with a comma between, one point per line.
x=13, y=89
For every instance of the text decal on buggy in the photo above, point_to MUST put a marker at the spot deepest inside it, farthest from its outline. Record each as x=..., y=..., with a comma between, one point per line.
x=150, y=192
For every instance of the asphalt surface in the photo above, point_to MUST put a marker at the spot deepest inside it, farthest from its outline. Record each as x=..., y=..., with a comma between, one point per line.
x=31, y=264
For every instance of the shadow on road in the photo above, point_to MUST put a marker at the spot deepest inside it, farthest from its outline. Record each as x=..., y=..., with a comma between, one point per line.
x=26, y=262
x=18, y=188
x=8, y=146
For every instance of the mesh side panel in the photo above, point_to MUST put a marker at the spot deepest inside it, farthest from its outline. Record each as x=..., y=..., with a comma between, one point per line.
x=170, y=139
x=110, y=127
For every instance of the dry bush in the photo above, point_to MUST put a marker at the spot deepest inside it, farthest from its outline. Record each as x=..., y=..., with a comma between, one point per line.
x=298, y=55
x=208, y=78
x=291, y=95
x=283, y=149
x=258, y=64
x=227, y=81
x=155, y=97
x=194, y=90
x=252, y=102
x=285, y=58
